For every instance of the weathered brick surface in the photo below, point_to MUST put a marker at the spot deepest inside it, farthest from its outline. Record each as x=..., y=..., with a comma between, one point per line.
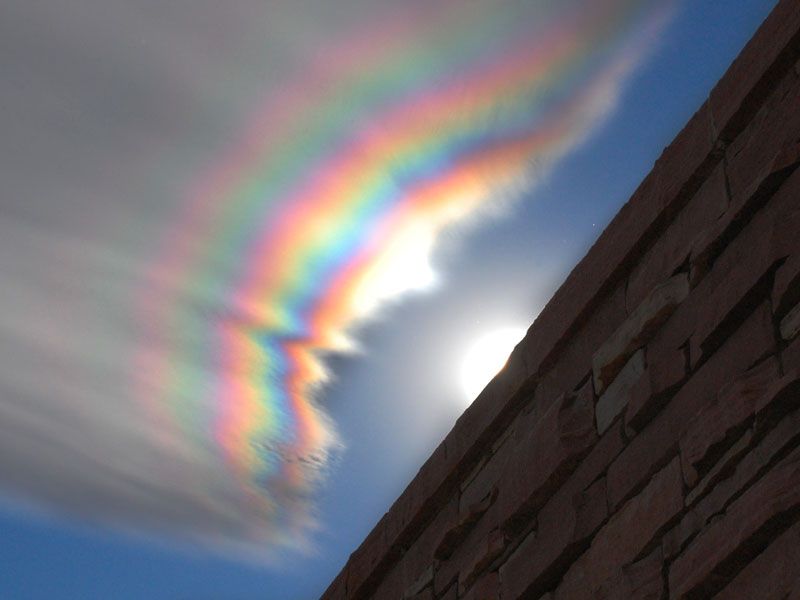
x=657, y=442
x=637, y=329
x=738, y=536
x=773, y=575
x=642, y=580
x=644, y=439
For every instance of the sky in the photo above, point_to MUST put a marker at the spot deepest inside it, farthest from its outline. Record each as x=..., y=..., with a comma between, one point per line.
x=244, y=248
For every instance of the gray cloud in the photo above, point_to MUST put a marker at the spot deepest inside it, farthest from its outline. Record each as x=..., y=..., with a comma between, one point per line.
x=108, y=110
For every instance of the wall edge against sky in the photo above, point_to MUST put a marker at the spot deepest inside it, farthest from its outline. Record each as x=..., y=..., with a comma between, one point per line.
x=683, y=167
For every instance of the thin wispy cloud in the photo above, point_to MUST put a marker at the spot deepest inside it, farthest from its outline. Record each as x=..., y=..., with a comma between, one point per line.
x=203, y=203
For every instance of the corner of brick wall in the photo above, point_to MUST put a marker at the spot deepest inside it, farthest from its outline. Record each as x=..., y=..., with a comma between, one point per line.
x=644, y=439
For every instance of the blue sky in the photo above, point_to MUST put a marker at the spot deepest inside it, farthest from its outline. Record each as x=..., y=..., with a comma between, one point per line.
x=392, y=403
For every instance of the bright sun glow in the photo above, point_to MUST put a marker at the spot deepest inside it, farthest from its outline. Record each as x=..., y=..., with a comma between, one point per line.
x=486, y=357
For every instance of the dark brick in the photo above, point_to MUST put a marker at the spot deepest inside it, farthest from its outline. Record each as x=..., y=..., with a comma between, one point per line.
x=781, y=397
x=467, y=519
x=786, y=290
x=486, y=588
x=658, y=441
x=740, y=279
x=665, y=372
x=615, y=398
x=481, y=557
x=566, y=523
x=768, y=145
x=559, y=440
x=638, y=581
x=672, y=248
x=636, y=330
x=734, y=405
x=773, y=574
x=627, y=534
x=715, y=556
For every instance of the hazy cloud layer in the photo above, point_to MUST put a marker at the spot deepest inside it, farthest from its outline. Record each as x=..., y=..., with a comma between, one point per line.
x=110, y=110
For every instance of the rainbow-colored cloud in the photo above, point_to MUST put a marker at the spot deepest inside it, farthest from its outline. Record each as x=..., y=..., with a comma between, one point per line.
x=331, y=201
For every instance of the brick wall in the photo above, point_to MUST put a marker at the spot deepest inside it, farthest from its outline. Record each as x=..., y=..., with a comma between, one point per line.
x=644, y=439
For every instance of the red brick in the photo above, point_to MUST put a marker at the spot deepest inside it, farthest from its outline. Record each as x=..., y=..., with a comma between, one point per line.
x=638, y=581
x=559, y=440
x=734, y=405
x=637, y=329
x=713, y=557
x=658, y=441
x=627, y=534
x=773, y=574
x=672, y=248
x=771, y=52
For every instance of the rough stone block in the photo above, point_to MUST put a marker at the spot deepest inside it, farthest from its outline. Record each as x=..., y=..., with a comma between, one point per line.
x=781, y=397
x=769, y=143
x=722, y=467
x=627, y=534
x=739, y=281
x=773, y=575
x=751, y=465
x=672, y=248
x=637, y=329
x=566, y=523
x=641, y=580
x=615, y=398
x=648, y=396
x=734, y=405
x=562, y=436
x=486, y=588
x=658, y=441
x=711, y=559
x=490, y=548
x=467, y=519
x=423, y=581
